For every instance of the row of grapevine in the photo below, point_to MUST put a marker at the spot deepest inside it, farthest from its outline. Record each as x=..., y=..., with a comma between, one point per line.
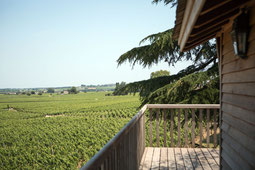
x=59, y=132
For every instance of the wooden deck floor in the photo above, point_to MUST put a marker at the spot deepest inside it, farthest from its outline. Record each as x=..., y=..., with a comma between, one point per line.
x=180, y=158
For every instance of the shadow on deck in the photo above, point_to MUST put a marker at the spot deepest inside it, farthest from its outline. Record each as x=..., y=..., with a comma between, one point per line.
x=179, y=158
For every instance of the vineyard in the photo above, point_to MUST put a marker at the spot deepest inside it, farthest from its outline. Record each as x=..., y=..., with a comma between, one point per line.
x=59, y=131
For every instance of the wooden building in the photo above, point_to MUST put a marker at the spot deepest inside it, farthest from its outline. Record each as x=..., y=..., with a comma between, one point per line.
x=198, y=21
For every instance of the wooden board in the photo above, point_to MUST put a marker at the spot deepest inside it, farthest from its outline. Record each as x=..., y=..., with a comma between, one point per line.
x=243, y=76
x=148, y=159
x=202, y=158
x=209, y=158
x=171, y=158
x=241, y=125
x=246, y=155
x=155, y=159
x=143, y=159
x=180, y=158
x=245, y=102
x=186, y=158
x=163, y=159
x=240, y=88
x=195, y=161
x=215, y=155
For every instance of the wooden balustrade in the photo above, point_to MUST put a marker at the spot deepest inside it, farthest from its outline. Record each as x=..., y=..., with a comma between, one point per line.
x=186, y=124
x=126, y=149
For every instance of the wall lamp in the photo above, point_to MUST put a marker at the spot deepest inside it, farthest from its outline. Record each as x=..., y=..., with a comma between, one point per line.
x=240, y=34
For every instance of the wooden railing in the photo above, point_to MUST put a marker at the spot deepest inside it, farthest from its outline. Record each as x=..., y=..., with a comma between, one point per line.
x=189, y=125
x=125, y=150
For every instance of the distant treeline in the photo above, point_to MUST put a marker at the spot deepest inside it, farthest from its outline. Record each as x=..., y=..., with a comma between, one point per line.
x=83, y=88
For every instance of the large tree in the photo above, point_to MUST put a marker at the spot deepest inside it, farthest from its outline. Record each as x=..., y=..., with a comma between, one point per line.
x=198, y=83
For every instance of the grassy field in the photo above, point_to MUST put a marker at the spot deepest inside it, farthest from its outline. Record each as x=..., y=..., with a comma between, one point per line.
x=59, y=131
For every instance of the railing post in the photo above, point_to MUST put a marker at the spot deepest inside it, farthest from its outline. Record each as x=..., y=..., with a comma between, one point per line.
x=207, y=127
x=200, y=126
x=179, y=128
x=157, y=126
x=164, y=114
x=193, y=128
x=186, y=128
x=172, y=127
x=215, y=128
x=150, y=130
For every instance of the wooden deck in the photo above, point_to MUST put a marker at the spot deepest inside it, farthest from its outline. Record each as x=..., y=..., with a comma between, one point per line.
x=180, y=158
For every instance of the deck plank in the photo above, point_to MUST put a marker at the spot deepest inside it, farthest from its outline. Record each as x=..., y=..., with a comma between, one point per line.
x=202, y=158
x=210, y=159
x=148, y=158
x=143, y=159
x=195, y=161
x=186, y=158
x=163, y=159
x=156, y=159
x=215, y=155
x=171, y=158
x=179, y=159
x=217, y=151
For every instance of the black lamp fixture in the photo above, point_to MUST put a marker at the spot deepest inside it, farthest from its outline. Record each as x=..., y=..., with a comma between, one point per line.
x=240, y=34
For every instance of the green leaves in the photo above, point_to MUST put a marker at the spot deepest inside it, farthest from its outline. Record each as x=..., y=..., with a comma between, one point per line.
x=166, y=2
x=195, y=88
x=162, y=48
x=147, y=87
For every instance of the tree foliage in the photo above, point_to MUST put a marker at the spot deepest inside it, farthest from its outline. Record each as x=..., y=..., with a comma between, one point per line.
x=119, y=89
x=50, y=90
x=73, y=90
x=164, y=48
x=188, y=86
x=146, y=87
x=160, y=73
x=198, y=87
x=161, y=48
x=166, y=2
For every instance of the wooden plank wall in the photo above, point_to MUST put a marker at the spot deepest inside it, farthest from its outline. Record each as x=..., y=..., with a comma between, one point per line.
x=238, y=104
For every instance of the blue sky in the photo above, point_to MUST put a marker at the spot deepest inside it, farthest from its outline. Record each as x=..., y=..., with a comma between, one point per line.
x=50, y=43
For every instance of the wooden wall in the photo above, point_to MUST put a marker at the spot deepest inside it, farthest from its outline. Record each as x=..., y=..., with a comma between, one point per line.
x=238, y=103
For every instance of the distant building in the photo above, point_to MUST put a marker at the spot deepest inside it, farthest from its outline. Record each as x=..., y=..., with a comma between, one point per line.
x=65, y=92
x=12, y=93
x=92, y=88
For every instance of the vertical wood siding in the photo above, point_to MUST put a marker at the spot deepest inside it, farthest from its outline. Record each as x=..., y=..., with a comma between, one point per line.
x=238, y=104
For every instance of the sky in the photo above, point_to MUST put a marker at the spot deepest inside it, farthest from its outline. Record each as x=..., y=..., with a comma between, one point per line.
x=54, y=43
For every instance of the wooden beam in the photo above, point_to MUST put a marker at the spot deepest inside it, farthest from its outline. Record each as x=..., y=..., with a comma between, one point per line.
x=193, y=40
x=205, y=29
x=186, y=16
x=190, y=46
x=211, y=5
x=187, y=28
x=219, y=12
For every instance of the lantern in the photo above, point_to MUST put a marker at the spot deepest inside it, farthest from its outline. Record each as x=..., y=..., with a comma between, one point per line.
x=239, y=33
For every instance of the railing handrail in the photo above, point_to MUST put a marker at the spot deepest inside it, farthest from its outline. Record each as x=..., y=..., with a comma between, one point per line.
x=115, y=139
x=183, y=106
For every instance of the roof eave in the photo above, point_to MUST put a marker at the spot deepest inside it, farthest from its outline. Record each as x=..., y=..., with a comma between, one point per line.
x=192, y=11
